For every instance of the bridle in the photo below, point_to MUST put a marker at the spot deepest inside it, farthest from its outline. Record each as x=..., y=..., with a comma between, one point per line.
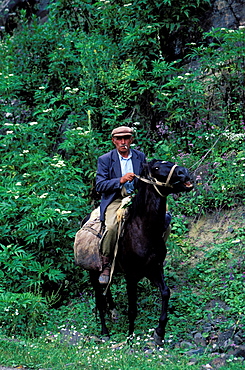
x=153, y=181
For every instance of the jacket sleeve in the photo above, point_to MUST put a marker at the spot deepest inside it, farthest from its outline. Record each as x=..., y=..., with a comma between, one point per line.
x=104, y=182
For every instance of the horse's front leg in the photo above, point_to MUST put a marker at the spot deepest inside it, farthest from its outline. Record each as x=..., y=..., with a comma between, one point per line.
x=111, y=305
x=157, y=278
x=100, y=300
x=132, y=302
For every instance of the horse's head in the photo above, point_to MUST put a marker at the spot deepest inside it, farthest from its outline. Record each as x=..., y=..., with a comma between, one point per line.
x=170, y=175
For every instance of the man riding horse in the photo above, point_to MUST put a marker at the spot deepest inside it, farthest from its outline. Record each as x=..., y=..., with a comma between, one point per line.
x=115, y=180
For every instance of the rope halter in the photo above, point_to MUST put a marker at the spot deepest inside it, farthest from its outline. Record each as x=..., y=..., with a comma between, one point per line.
x=156, y=183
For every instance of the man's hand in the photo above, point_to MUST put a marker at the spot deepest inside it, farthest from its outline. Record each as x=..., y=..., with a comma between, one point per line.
x=128, y=177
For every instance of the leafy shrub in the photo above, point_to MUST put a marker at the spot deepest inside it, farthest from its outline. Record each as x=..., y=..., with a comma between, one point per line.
x=22, y=314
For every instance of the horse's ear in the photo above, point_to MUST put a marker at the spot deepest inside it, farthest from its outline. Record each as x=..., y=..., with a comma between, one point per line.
x=153, y=161
x=145, y=169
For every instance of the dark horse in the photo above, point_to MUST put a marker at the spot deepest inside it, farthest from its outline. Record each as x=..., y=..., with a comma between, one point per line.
x=141, y=249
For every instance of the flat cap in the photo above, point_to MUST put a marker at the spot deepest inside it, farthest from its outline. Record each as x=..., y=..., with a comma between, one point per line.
x=122, y=130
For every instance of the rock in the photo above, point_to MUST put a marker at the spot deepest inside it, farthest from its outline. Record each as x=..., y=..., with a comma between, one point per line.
x=185, y=344
x=198, y=351
x=70, y=336
x=226, y=14
x=225, y=338
x=238, y=339
x=199, y=340
x=238, y=351
x=218, y=362
x=193, y=361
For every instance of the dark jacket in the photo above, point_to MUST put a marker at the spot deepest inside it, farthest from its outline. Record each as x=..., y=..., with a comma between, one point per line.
x=109, y=174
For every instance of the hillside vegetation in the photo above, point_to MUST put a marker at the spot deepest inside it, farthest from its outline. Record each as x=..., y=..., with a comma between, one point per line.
x=64, y=85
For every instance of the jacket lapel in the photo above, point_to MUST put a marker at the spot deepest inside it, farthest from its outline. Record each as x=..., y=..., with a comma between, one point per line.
x=115, y=164
x=136, y=162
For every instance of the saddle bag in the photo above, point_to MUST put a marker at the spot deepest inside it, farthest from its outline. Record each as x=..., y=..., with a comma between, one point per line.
x=87, y=245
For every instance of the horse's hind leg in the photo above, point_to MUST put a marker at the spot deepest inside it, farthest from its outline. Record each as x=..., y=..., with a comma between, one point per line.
x=158, y=279
x=100, y=301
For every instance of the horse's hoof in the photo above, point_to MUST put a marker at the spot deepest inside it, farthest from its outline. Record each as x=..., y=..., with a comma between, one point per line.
x=105, y=338
x=94, y=338
x=114, y=314
x=157, y=339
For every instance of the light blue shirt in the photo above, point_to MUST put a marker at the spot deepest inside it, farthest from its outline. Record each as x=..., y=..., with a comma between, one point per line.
x=127, y=166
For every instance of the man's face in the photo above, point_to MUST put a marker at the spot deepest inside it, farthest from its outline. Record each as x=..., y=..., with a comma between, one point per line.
x=122, y=144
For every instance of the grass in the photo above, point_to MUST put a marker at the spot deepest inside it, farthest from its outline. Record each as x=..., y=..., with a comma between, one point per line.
x=138, y=354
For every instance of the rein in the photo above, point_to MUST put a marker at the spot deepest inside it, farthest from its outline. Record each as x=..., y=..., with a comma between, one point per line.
x=156, y=183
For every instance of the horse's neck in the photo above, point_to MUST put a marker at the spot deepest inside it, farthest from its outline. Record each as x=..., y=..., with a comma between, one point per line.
x=151, y=206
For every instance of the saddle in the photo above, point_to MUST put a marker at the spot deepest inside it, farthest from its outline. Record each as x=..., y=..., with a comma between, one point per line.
x=87, y=240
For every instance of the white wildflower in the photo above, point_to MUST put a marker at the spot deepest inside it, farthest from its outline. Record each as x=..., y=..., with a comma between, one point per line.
x=47, y=110
x=44, y=195
x=58, y=164
x=18, y=183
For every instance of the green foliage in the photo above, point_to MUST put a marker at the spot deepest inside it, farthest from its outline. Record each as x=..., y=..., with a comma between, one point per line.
x=21, y=271
x=22, y=314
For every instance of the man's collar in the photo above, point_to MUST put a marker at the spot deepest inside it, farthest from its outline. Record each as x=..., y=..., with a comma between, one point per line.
x=121, y=157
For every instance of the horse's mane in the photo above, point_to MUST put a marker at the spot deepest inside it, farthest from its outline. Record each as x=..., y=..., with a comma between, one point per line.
x=138, y=202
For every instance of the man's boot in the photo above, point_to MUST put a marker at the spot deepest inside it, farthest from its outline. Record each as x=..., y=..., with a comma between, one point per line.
x=106, y=269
